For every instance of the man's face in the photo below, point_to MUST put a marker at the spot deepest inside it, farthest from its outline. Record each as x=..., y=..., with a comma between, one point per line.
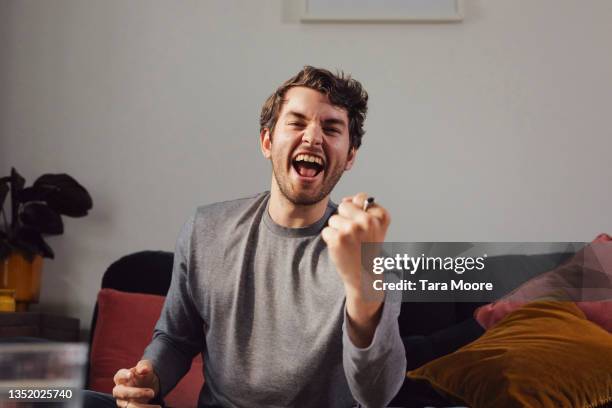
x=309, y=148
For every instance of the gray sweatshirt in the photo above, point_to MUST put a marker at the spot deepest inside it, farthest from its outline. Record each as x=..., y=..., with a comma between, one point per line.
x=266, y=308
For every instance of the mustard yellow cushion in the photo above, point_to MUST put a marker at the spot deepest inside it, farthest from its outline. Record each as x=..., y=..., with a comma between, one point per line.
x=545, y=354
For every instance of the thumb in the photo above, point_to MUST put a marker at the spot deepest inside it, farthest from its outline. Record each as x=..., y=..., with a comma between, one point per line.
x=143, y=367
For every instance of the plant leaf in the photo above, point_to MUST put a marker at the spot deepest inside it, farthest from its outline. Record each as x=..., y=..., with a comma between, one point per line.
x=41, y=218
x=30, y=242
x=17, y=182
x=65, y=194
x=4, y=189
x=33, y=194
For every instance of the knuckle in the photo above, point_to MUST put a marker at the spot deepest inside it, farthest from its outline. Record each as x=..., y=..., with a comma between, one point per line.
x=362, y=223
x=353, y=228
x=342, y=239
x=359, y=198
x=328, y=236
x=121, y=374
x=385, y=217
x=332, y=243
x=346, y=236
x=365, y=219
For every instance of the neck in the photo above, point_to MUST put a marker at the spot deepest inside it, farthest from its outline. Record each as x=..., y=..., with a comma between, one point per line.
x=290, y=215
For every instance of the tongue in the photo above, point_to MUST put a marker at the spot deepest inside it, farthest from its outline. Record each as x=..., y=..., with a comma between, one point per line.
x=305, y=171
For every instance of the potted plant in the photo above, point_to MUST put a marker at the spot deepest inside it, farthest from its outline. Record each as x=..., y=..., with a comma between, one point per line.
x=35, y=212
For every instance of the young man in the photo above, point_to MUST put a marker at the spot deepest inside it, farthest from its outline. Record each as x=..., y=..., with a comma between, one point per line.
x=268, y=287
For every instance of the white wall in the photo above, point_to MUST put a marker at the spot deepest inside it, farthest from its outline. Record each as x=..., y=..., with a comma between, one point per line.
x=497, y=128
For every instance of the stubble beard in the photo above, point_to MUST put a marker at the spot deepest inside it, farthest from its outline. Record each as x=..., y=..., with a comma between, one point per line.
x=302, y=198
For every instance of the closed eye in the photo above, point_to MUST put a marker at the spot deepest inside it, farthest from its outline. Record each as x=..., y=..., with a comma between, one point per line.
x=331, y=130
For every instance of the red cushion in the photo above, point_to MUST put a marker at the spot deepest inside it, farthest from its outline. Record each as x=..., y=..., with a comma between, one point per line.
x=599, y=312
x=123, y=330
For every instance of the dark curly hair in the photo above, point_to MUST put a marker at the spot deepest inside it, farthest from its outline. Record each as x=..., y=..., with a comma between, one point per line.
x=342, y=91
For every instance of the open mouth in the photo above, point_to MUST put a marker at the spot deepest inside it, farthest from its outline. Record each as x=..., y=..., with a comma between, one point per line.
x=308, y=165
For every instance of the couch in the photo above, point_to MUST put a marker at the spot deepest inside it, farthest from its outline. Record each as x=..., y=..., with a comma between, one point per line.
x=138, y=283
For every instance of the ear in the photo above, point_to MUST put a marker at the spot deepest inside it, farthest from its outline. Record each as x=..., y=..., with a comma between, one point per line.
x=265, y=143
x=352, y=154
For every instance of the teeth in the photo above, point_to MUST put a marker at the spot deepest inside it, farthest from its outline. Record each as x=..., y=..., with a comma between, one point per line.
x=309, y=158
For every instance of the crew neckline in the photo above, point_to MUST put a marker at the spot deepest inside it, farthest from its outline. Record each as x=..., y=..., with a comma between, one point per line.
x=310, y=230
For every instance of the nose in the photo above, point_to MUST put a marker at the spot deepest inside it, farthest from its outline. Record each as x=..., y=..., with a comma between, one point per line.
x=313, y=135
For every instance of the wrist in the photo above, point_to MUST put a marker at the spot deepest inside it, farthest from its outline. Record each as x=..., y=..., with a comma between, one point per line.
x=361, y=310
x=157, y=397
x=154, y=384
x=362, y=292
x=362, y=318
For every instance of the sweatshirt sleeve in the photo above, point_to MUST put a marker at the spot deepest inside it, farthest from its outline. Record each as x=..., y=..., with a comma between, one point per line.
x=178, y=335
x=376, y=373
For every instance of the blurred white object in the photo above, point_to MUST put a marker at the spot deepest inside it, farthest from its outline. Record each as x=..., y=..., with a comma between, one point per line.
x=31, y=373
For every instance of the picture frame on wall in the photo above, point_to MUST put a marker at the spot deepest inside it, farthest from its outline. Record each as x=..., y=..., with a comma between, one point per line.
x=398, y=11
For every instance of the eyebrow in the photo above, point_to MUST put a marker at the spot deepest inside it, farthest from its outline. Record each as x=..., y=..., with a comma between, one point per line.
x=330, y=121
x=334, y=121
x=297, y=115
